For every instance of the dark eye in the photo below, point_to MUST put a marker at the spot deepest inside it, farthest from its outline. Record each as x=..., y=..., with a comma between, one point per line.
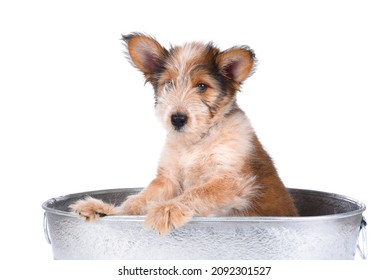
x=201, y=87
x=169, y=84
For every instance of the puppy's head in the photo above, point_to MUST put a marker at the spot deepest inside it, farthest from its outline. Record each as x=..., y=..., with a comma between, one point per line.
x=194, y=84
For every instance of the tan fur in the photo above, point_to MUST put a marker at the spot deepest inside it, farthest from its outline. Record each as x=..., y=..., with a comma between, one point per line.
x=211, y=165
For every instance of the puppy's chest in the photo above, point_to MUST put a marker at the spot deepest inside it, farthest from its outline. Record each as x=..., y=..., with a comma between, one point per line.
x=195, y=166
x=224, y=153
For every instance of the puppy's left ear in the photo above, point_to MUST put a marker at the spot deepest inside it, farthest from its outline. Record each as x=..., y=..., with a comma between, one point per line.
x=237, y=63
x=145, y=53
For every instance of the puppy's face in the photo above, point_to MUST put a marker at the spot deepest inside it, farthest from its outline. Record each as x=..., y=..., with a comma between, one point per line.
x=194, y=84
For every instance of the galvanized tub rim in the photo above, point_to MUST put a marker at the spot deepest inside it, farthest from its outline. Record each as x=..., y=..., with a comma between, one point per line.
x=140, y=218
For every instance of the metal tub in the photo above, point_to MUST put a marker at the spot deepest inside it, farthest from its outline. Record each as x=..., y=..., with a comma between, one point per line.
x=328, y=228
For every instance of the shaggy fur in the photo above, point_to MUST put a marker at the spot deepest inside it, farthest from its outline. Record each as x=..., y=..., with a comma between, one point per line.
x=212, y=163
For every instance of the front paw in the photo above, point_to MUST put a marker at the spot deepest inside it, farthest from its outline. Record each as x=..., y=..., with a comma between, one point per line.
x=165, y=216
x=91, y=208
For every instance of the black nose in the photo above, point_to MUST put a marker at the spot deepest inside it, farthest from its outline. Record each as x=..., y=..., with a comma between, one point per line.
x=179, y=120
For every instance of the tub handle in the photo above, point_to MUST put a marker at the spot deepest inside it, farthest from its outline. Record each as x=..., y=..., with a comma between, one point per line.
x=362, y=239
x=45, y=228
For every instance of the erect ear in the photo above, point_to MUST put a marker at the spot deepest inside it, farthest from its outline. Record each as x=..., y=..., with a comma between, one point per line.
x=236, y=63
x=145, y=52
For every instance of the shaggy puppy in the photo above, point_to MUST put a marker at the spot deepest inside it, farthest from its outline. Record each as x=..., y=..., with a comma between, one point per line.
x=212, y=163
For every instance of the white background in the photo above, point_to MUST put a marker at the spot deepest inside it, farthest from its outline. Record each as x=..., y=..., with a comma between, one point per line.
x=75, y=115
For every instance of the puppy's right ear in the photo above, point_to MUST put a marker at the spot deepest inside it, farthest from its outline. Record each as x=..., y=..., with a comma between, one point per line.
x=145, y=53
